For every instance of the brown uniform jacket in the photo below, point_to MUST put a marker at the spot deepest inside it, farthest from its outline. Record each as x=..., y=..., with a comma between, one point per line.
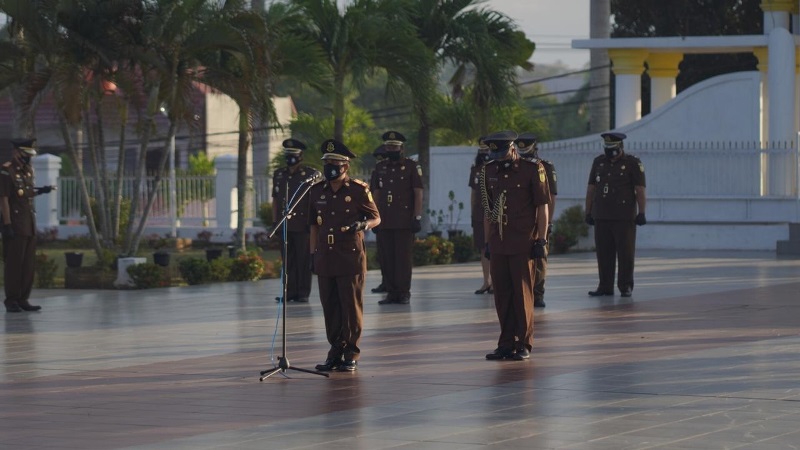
x=396, y=181
x=340, y=252
x=298, y=222
x=525, y=187
x=16, y=183
x=552, y=182
x=614, y=194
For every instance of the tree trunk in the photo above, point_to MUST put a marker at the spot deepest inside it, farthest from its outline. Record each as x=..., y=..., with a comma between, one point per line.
x=241, y=177
x=600, y=76
x=115, y=219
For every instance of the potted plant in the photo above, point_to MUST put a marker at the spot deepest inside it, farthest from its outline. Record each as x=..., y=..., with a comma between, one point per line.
x=74, y=259
x=437, y=217
x=454, y=210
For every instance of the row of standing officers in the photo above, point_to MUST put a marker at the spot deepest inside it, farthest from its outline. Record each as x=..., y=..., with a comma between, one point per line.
x=513, y=199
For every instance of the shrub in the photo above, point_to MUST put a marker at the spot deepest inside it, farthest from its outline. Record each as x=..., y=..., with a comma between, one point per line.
x=203, y=239
x=46, y=269
x=247, y=267
x=568, y=229
x=432, y=250
x=195, y=270
x=265, y=214
x=148, y=275
x=107, y=259
x=47, y=235
x=83, y=241
x=220, y=269
x=463, y=249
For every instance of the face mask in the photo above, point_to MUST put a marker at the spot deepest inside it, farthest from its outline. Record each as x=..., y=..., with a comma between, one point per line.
x=499, y=154
x=332, y=171
x=611, y=153
x=393, y=156
x=292, y=160
x=481, y=158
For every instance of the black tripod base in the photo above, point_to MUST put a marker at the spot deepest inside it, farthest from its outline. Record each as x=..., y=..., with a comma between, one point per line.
x=283, y=366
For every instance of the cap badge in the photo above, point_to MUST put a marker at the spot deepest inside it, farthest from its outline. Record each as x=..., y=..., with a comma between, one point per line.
x=330, y=148
x=392, y=135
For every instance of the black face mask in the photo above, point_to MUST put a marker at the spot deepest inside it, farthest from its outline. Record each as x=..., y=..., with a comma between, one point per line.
x=481, y=158
x=499, y=154
x=393, y=156
x=332, y=171
x=611, y=153
x=292, y=160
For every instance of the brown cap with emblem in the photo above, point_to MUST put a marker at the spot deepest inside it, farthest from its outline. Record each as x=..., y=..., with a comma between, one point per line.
x=25, y=146
x=393, y=138
x=613, y=140
x=293, y=146
x=333, y=149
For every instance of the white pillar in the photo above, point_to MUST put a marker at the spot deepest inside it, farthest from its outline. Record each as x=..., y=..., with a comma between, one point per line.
x=225, y=188
x=46, y=168
x=777, y=14
x=628, y=65
x=781, y=76
x=663, y=69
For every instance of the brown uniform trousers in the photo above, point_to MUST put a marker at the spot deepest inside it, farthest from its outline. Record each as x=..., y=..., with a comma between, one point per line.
x=16, y=183
x=524, y=185
x=395, y=182
x=298, y=272
x=614, y=210
x=340, y=261
x=540, y=265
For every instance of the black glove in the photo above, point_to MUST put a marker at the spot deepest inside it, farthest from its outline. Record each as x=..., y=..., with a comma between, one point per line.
x=589, y=219
x=8, y=231
x=42, y=190
x=358, y=225
x=311, y=264
x=416, y=225
x=549, y=229
x=538, y=251
x=640, y=219
x=486, y=253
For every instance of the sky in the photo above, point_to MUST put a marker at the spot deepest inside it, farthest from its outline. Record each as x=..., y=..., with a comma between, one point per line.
x=552, y=25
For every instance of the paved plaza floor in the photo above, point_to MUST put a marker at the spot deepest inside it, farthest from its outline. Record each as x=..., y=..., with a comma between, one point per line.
x=705, y=355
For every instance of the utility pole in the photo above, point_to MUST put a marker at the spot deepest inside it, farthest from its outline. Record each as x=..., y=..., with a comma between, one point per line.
x=600, y=76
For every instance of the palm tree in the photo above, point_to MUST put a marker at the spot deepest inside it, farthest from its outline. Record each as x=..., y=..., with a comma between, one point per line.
x=366, y=35
x=484, y=46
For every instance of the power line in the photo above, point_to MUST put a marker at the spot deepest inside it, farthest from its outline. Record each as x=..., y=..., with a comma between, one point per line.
x=565, y=74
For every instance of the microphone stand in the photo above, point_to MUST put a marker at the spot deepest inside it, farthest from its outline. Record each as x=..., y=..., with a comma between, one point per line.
x=283, y=361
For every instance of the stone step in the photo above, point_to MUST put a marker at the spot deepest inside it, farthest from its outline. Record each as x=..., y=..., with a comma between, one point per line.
x=789, y=248
x=794, y=231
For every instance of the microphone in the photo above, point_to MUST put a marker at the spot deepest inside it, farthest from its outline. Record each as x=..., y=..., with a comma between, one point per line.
x=315, y=178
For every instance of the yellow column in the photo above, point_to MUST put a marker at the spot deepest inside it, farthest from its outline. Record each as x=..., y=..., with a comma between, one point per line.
x=663, y=69
x=777, y=13
x=628, y=65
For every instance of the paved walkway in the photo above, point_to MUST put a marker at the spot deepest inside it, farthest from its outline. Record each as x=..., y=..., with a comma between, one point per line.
x=704, y=355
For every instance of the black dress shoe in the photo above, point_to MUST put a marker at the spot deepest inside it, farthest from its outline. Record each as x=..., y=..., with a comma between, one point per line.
x=538, y=303
x=28, y=307
x=403, y=299
x=521, y=355
x=599, y=293
x=12, y=307
x=388, y=300
x=625, y=292
x=499, y=354
x=301, y=300
x=487, y=289
x=380, y=289
x=329, y=364
x=348, y=365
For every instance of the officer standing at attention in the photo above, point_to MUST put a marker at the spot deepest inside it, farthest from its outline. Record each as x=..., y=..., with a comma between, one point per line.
x=380, y=154
x=514, y=195
x=527, y=145
x=476, y=213
x=340, y=210
x=399, y=197
x=19, y=225
x=615, y=204
x=285, y=182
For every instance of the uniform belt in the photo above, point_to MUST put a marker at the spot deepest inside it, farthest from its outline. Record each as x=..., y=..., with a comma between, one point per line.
x=341, y=237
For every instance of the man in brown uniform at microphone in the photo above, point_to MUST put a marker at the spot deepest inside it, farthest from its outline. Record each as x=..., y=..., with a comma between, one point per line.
x=514, y=194
x=398, y=194
x=340, y=210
